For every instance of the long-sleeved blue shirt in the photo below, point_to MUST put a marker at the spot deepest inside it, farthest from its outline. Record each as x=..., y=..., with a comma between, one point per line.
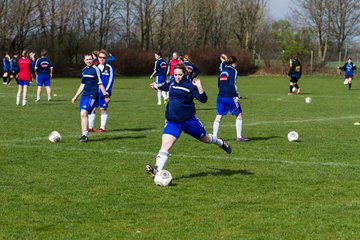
x=91, y=77
x=160, y=67
x=349, y=69
x=181, y=106
x=227, y=82
x=6, y=65
x=107, y=77
x=192, y=68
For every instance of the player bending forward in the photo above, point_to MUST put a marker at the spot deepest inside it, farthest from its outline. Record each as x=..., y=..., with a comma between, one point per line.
x=180, y=115
x=89, y=87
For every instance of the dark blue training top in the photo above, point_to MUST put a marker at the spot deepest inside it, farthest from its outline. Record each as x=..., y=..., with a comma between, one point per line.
x=160, y=67
x=349, y=69
x=181, y=106
x=192, y=68
x=91, y=77
x=227, y=82
x=43, y=66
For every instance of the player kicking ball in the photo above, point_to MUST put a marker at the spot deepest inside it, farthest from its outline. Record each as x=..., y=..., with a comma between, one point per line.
x=180, y=115
x=89, y=87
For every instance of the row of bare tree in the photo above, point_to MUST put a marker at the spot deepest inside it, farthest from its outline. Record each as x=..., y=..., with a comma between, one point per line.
x=69, y=28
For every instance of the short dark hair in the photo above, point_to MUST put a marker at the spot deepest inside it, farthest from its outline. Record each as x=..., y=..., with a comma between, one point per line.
x=158, y=53
x=44, y=52
x=231, y=60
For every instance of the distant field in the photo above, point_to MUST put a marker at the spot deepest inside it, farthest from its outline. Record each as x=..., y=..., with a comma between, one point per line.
x=268, y=188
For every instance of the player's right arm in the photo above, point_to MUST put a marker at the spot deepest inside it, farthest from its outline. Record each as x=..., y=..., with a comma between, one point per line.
x=77, y=94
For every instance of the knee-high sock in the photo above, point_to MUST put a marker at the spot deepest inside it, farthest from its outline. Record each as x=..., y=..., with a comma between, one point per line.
x=216, y=140
x=216, y=127
x=18, y=99
x=92, y=118
x=164, y=94
x=104, y=117
x=159, y=96
x=238, y=127
x=161, y=159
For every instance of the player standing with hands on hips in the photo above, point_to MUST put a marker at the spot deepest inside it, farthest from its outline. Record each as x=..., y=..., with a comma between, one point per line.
x=89, y=87
x=180, y=115
x=349, y=68
x=228, y=98
x=44, y=72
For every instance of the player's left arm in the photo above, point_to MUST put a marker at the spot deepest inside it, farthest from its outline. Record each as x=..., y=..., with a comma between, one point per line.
x=200, y=94
x=111, y=79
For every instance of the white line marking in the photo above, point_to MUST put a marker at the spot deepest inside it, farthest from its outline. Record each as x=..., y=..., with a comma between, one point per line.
x=221, y=156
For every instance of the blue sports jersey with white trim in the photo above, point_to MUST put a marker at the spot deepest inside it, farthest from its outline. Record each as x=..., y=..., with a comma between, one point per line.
x=43, y=66
x=192, y=68
x=91, y=77
x=160, y=67
x=107, y=77
x=6, y=65
x=227, y=82
x=181, y=104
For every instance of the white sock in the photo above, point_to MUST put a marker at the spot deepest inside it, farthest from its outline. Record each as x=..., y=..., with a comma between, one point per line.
x=159, y=96
x=17, y=100
x=238, y=127
x=104, y=117
x=85, y=133
x=49, y=98
x=92, y=117
x=164, y=94
x=216, y=127
x=37, y=97
x=161, y=159
x=24, y=101
x=216, y=140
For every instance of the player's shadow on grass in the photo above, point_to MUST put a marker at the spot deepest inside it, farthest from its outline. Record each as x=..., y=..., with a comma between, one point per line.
x=131, y=129
x=205, y=109
x=111, y=138
x=262, y=138
x=217, y=172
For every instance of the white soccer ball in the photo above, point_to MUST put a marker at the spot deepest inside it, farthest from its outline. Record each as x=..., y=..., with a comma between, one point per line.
x=163, y=178
x=293, y=136
x=346, y=82
x=308, y=99
x=294, y=89
x=54, y=137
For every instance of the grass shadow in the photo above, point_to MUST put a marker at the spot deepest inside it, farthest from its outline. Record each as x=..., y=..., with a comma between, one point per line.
x=110, y=138
x=262, y=138
x=205, y=109
x=217, y=172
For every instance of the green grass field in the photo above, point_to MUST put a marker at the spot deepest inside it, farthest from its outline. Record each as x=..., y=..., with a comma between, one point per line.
x=268, y=188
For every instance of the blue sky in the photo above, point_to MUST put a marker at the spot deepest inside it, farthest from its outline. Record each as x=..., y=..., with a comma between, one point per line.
x=279, y=8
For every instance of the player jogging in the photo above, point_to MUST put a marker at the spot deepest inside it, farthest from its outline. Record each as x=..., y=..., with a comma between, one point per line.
x=107, y=78
x=89, y=87
x=160, y=70
x=180, y=115
x=295, y=73
x=6, y=68
x=44, y=72
x=24, y=77
x=228, y=98
x=349, y=68
x=192, y=68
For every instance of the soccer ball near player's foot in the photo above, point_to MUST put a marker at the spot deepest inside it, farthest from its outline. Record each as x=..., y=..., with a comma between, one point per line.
x=163, y=178
x=54, y=137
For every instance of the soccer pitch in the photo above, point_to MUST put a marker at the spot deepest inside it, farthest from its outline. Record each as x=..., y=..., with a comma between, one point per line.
x=268, y=188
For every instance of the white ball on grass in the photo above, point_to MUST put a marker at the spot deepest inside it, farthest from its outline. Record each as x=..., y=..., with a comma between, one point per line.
x=163, y=178
x=293, y=136
x=54, y=137
x=308, y=99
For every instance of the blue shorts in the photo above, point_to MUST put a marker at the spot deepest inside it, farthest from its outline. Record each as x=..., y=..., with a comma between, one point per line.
x=87, y=103
x=23, y=83
x=101, y=102
x=349, y=76
x=225, y=105
x=192, y=126
x=160, y=79
x=43, y=80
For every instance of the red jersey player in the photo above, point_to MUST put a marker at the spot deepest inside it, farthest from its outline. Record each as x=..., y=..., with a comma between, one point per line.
x=24, y=77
